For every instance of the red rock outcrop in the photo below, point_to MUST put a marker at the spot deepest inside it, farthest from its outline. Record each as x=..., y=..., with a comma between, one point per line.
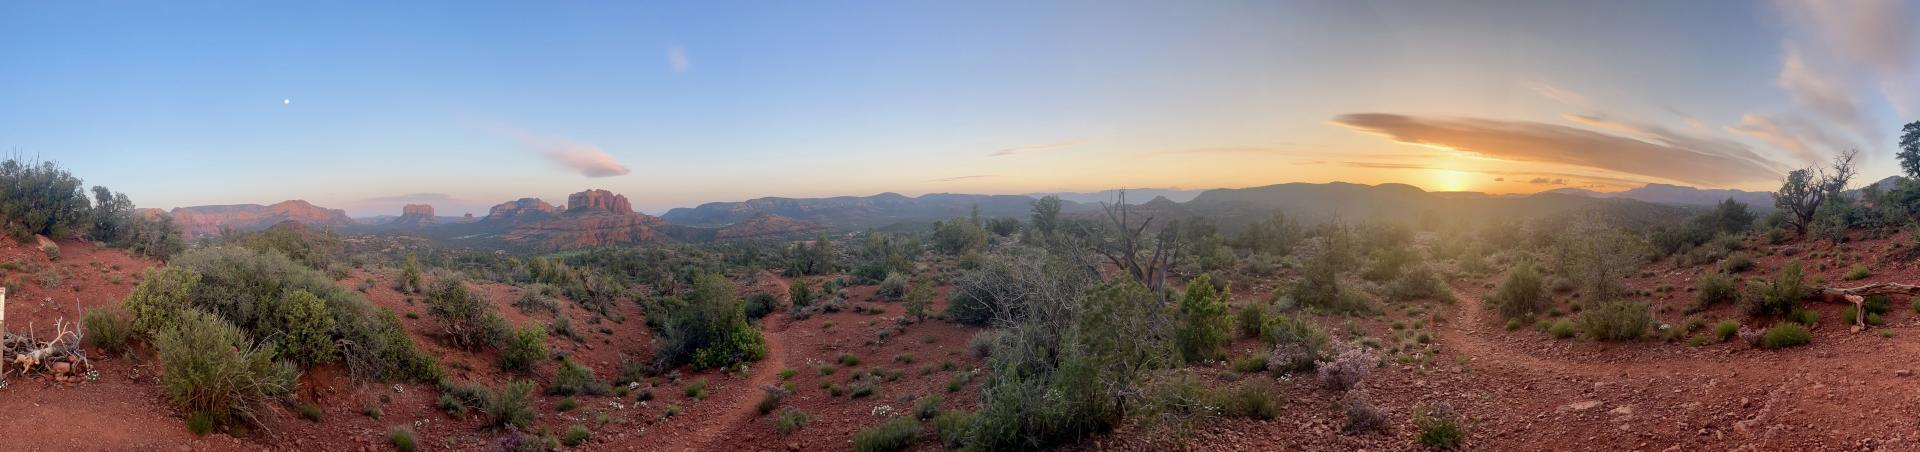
x=414, y=215
x=520, y=208
x=207, y=220
x=765, y=224
x=599, y=201
x=594, y=218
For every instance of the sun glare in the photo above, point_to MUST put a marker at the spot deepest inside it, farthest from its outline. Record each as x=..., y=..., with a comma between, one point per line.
x=1451, y=180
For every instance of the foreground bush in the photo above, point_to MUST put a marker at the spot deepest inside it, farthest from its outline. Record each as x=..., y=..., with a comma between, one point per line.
x=1785, y=334
x=213, y=370
x=1617, y=321
x=249, y=290
x=108, y=328
x=1439, y=428
x=466, y=320
x=1203, y=317
x=1780, y=296
x=511, y=406
x=1715, y=289
x=526, y=349
x=41, y=199
x=1522, y=295
x=710, y=330
x=573, y=378
x=893, y=435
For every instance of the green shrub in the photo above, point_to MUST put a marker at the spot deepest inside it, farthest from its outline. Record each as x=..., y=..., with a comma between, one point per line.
x=1810, y=317
x=252, y=291
x=1778, y=297
x=1726, y=329
x=573, y=378
x=801, y=293
x=401, y=438
x=1522, y=294
x=108, y=328
x=1254, y=400
x=1203, y=317
x=1715, y=289
x=575, y=436
x=769, y=400
x=952, y=427
x=1439, y=428
x=511, y=406
x=927, y=407
x=1858, y=272
x=1251, y=363
x=1419, y=283
x=1251, y=319
x=1737, y=263
x=710, y=330
x=526, y=349
x=892, y=288
x=849, y=360
x=1785, y=334
x=199, y=423
x=760, y=304
x=1319, y=287
x=162, y=295
x=918, y=301
x=789, y=421
x=410, y=280
x=697, y=390
x=41, y=198
x=213, y=369
x=893, y=435
x=1562, y=329
x=467, y=320
x=1617, y=321
x=306, y=328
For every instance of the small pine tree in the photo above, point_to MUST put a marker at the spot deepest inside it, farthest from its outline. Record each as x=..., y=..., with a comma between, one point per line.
x=1203, y=313
x=410, y=279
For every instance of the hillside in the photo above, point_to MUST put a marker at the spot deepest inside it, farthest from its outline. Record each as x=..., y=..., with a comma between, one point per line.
x=198, y=221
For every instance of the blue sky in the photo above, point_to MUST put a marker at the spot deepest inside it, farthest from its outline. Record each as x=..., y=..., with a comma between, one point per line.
x=368, y=105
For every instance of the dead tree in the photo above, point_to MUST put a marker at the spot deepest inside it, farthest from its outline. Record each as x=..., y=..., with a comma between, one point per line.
x=1125, y=250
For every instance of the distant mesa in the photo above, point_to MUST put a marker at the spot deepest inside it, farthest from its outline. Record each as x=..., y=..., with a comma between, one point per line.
x=414, y=215
x=593, y=218
x=200, y=221
x=520, y=208
x=598, y=201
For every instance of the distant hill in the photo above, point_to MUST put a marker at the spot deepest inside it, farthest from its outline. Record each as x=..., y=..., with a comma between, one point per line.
x=199, y=221
x=860, y=211
x=1761, y=202
x=1107, y=196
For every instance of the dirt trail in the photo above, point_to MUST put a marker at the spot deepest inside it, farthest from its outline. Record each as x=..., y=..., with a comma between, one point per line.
x=1468, y=334
x=740, y=404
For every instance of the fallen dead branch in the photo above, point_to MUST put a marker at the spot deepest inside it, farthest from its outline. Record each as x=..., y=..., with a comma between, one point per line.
x=1858, y=296
x=60, y=357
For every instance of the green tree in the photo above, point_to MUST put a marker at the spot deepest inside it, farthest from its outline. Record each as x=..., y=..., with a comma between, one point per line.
x=1203, y=316
x=1910, y=150
x=308, y=328
x=41, y=199
x=1046, y=214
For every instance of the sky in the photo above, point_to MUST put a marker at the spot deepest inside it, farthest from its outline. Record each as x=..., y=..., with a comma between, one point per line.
x=370, y=105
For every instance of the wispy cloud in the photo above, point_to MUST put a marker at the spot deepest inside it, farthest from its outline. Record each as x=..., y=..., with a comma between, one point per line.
x=1519, y=176
x=1557, y=94
x=677, y=59
x=413, y=197
x=1529, y=141
x=1037, y=148
x=1865, y=41
x=1669, y=137
x=1806, y=141
x=1825, y=94
x=1546, y=181
x=956, y=178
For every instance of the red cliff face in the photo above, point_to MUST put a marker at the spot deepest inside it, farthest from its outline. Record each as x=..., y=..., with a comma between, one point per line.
x=593, y=218
x=598, y=201
x=765, y=224
x=415, y=215
x=207, y=220
x=520, y=208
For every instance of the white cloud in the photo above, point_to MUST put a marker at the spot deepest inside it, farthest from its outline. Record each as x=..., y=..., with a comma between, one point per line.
x=1826, y=94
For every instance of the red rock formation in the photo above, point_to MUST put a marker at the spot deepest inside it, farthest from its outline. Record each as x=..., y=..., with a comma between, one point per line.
x=765, y=224
x=207, y=220
x=598, y=200
x=593, y=218
x=414, y=215
x=519, y=208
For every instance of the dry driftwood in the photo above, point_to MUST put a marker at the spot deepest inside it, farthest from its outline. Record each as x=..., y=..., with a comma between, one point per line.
x=1858, y=296
x=60, y=357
